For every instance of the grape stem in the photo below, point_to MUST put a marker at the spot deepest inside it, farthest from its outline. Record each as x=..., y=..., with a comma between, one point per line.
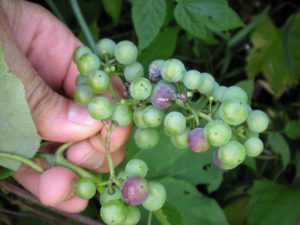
x=149, y=218
x=83, y=25
x=204, y=116
x=109, y=129
x=241, y=136
x=190, y=108
x=60, y=160
x=161, y=217
x=22, y=159
x=113, y=93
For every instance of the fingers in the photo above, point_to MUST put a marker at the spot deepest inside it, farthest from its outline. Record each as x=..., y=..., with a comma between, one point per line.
x=57, y=118
x=46, y=42
x=85, y=155
x=55, y=187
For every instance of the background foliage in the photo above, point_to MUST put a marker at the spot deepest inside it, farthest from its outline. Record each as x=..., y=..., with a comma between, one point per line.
x=254, y=44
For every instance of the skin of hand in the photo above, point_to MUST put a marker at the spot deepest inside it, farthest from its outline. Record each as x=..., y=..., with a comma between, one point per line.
x=38, y=49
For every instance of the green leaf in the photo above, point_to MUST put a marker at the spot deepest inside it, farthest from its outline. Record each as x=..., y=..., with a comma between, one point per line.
x=248, y=86
x=297, y=162
x=197, y=168
x=280, y=146
x=291, y=34
x=165, y=42
x=240, y=206
x=5, y=173
x=159, y=158
x=18, y=133
x=250, y=163
x=272, y=203
x=196, y=16
x=292, y=129
x=148, y=17
x=195, y=207
x=269, y=55
x=113, y=8
x=169, y=215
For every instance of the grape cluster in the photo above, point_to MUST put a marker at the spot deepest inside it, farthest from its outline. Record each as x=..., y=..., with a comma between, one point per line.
x=120, y=204
x=189, y=106
x=221, y=117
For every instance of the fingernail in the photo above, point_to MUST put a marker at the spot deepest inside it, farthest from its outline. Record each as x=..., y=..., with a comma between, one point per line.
x=79, y=114
x=93, y=160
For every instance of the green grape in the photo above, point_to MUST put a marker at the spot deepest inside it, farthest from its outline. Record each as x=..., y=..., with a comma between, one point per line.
x=152, y=116
x=234, y=112
x=146, y=138
x=232, y=154
x=207, y=85
x=219, y=92
x=79, y=51
x=156, y=198
x=174, y=123
x=133, y=215
x=181, y=140
x=98, y=81
x=87, y=63
x=106, y=46
x=122, y=176
x=85, y=188
x=122, y=114
x=258, y=121
x=140, y=88
x=100, y=108
x=133, y=71
x=192, y=79
x=83, y=94
x=138, y=118
x=217, y=133
x=136, y=167
x=114, y=213
x=235, y=92
x=173, y=70
x=81, y=80
x=254, y=146
x=126, y=52
x=249, y=133
x=108, y=195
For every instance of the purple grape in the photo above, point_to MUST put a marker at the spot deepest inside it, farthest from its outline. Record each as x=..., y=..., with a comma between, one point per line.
x=162, y=96
x=197, y=141
x=155, y=70
x=135, y=190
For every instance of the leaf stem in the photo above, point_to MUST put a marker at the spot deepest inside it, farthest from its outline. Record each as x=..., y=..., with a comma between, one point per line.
x=83, y=25
x=60, y=160
x=22, y=159
x=55, y=10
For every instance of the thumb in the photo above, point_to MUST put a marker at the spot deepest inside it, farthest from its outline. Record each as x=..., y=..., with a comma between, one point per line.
x=57, y=118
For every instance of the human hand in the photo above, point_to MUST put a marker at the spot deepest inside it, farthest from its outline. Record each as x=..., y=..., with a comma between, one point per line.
x=38, y=48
